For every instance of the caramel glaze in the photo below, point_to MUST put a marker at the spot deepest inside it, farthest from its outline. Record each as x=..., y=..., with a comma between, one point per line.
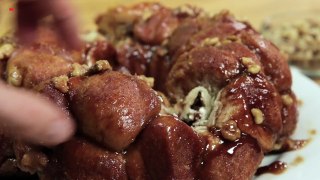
x=276, y=167
x=230, y=147
x=255, y=91
x=227, y=159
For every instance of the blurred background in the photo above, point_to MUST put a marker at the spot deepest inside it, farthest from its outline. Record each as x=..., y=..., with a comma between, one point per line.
x=254, y=11
x=293, y=25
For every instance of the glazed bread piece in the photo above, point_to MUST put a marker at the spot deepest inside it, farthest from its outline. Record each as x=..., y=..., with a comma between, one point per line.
x=170, y=149
x=253, y=102
x=221, y=51
x=233, y=160
x=140, y=34
x=30, y=65
x=80, y=159
x=112, y=108
x=224, y=32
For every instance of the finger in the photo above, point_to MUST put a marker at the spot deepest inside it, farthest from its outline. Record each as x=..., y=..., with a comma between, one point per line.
x=66, y=23
x=26, y=34
x=31, y=118
x=27, y=19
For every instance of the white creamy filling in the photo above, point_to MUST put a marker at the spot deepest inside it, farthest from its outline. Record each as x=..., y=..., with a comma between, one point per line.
x=195, y=109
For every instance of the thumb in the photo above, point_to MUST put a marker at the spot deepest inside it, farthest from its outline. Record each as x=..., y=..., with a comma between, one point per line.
x=32, y=118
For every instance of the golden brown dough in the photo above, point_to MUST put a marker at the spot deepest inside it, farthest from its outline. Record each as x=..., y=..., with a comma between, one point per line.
x=30, y=66
x=118, y=22
x=44, y=59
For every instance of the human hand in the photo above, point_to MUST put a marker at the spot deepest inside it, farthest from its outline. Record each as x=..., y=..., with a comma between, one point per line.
x=30, y=117
x=25, y=115
x=29, y=12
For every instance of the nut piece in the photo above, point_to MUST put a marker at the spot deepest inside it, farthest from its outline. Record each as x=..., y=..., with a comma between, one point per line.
x=254, y=69
x=246, y=61
x=226, y=41
x=14, y=76
x=230, y=130
x=61, y=83
x=32, y=162
x=212, y=141
x=258, y=115
x=102, y=65
x=79, y=70
x=148, y=80
x=233, y=38
x=6, y=50
x=146, y=14
x=211, y=42
x=287, y=99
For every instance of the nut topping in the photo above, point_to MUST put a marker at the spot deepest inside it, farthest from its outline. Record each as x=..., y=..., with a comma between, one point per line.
x=287, y=99
x=230, y=130
x=258, y=115
x=61, y=83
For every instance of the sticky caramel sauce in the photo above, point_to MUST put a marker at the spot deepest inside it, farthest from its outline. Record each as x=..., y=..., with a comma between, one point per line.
x=276, y=167
x=313, y=132
x=297, y=161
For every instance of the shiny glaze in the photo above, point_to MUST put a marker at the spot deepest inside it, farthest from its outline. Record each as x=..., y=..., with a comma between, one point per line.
x=253, y=91
x=230, y=147
x=80, y=159
x=276, y=167
x=112, y=108
x=232, y=160
x=170, y=149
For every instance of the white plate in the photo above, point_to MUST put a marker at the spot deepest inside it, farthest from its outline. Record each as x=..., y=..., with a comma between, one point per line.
x=309, y=119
